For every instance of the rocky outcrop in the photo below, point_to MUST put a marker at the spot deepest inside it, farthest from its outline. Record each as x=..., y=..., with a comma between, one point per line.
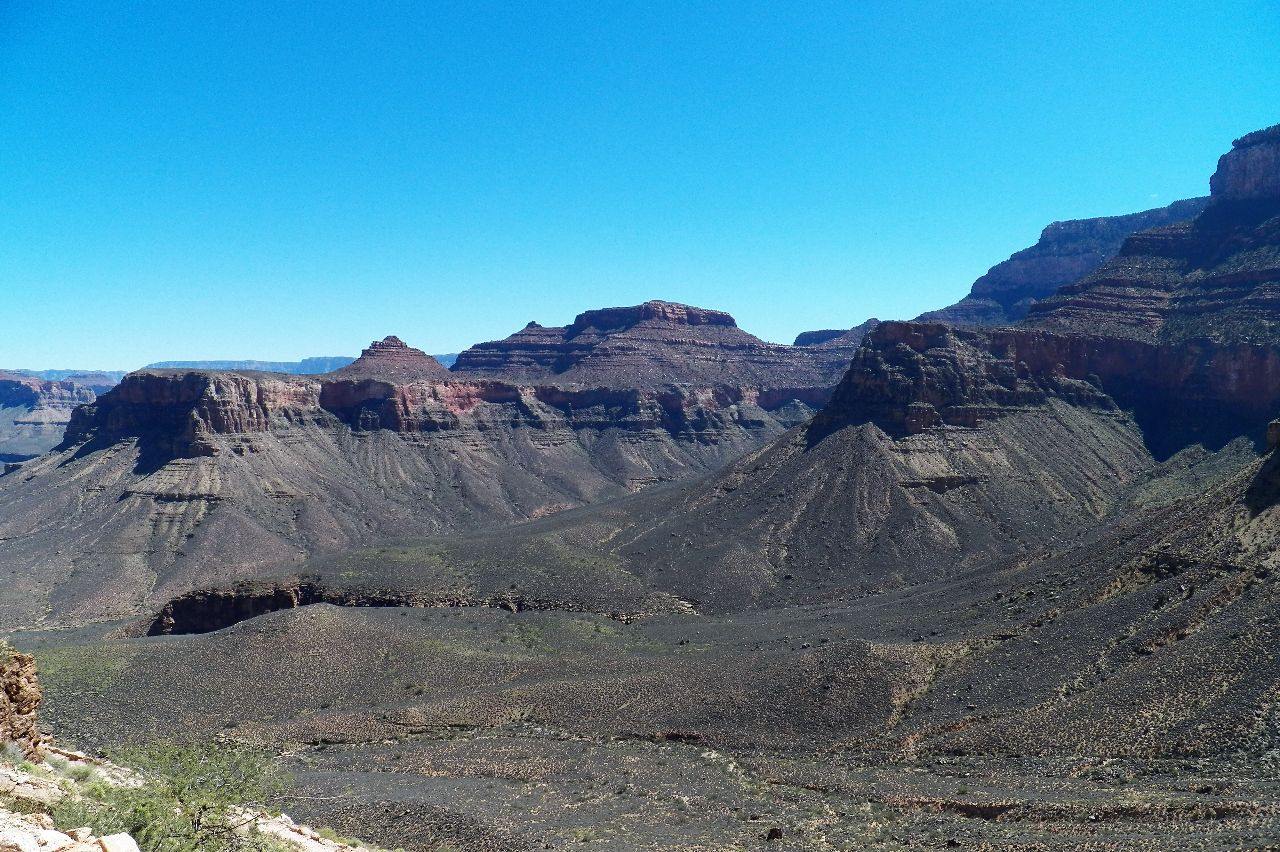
x=813, y=338
x=19, y=700
x=393, y=387
x=650, y=345
x=919, y=376
x=1250, y=171
x=392, y=358
x=1065, y=252
x=1215, y=277
x=1179, y=394
x=172, y=414
x=604, y=320
x=34, y=412
x=37, y=833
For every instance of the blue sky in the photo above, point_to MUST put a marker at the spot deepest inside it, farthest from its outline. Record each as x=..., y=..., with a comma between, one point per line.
x=277, y=180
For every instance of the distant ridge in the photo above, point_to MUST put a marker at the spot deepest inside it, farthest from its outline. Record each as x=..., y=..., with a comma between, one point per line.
x=1065, y=252
x=305, y=367
x=92, y=378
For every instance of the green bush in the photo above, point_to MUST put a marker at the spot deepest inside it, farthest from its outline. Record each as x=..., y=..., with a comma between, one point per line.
x=187, y=801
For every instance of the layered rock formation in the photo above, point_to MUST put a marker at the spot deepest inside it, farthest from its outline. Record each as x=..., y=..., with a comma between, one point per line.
x=1065, y=252
x=34, y=412
x=392, y=359
x=940, y=449
x=1215, y=277
x=175, y=479
x=650, y=345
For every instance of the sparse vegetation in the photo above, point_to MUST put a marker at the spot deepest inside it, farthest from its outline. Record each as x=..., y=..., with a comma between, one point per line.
x=191, y=798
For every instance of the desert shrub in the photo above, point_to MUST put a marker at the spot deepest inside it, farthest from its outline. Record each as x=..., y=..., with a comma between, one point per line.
x=189, y=799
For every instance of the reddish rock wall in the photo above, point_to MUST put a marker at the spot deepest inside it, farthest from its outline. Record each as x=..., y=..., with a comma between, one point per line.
x=19, y=701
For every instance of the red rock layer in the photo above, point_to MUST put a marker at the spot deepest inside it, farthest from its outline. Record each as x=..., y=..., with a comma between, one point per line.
x=19, y=700
x=391, y=388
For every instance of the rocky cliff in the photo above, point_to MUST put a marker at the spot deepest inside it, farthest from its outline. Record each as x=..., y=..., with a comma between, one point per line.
x=1250, y=171
x=941, y=450
x=1178, y=394
x=1065, y=252
x=649, y=345
x=34, y=412
x=1215, y=277
x=938, y=450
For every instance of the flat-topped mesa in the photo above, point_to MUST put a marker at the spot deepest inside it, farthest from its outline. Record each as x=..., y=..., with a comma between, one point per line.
x=1250, y=171
x=652, y=345
x=672, y=313
x=174, y=413
x=391, y=358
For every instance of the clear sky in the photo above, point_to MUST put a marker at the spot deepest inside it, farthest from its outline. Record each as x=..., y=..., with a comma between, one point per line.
x=183, y=180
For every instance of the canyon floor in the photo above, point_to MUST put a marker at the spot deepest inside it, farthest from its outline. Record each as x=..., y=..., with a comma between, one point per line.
x=482, y=729
x=839, y=725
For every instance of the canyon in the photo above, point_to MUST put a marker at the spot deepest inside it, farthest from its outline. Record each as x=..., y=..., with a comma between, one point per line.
x=34, y=412
x=645, y=579
x=175, y=479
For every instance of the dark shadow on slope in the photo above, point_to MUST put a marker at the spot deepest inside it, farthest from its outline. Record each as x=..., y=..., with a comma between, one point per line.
x=1264, y=491
x=208, y=610
x=1169, y=425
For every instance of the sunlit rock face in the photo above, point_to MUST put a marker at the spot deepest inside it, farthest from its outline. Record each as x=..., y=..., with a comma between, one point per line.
x=1250, y=171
